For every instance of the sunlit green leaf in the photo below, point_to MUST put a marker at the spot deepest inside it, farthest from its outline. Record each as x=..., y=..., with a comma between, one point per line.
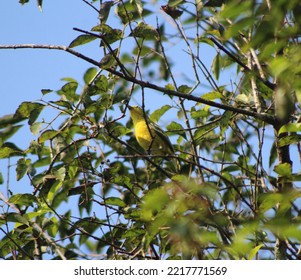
x=138, y=5
x=90, y=75
x=102, y=83
x=289, y=140
x=290, y=127
x=25, y=199
x=10, y=150
x=29, y=110
x=203, y=131
x=47, y=135
x=169, y=87
x=116, y=201
x=52, y=226
x=176, y=128
x=283, y=169
x=154, y=201
x=157, y=114
x=81, y=40
x=16, y=218
x=254, y=251
x=216, y=66
x=212, y=95
x=35, y=128
x=145, y=31
x=104, y=10
x=69, y=91
x=184, y=89
x=23, y=166
x=174, y=3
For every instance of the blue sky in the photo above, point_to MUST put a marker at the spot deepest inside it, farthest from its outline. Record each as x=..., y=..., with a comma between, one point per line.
x=25, y=72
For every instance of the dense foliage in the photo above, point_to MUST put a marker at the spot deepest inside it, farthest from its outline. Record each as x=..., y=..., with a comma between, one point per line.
x=94, y=193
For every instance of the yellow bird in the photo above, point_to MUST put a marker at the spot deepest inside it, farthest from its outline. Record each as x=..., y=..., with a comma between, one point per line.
x=149, y=135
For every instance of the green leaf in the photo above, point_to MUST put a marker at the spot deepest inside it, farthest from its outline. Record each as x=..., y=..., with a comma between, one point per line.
x=290, y=139
x=139, y=6
x=9, y=149
x=47, y=135
x=133, y=233
x=176, y=128
x=102, y=83
x=157, y=114
x=60, y=174
x=184, y=89
x=72, y=170
x=123, y=14
x=55, y=187
x=115, y=201
x=145, y=31
x=283, y=169
x=200, y=133
x=239, y=27
x=109, y=34
x=169, y=87
x=142, y=51
x=205, y=40
x=127, y=12
x=104, y=10
x=254, y=251
x=290, y=127
x=81, y=40
x=16, y=218
x=216, y=66
x=8, y=120
x=90, y=75
x=9, y=131
x=225, y=121
x=63, y=103
x=108, y=60
x=69, y=91
x=23, y=166
x=52, y=227
x=46, y=91
x=174, y=3
x=232, y=10
x=273, y=154
x=35, y=128
x=120, y=130
x=123, y=181
x=212, y=95
x=29, y=110
x=154, y=201
x=25, y=199
x=202, y=113
x=23, y=1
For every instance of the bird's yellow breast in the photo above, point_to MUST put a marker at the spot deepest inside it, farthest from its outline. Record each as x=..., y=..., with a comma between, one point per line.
x=147, y=139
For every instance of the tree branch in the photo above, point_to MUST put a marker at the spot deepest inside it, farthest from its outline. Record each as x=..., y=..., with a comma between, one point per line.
x=261, y=116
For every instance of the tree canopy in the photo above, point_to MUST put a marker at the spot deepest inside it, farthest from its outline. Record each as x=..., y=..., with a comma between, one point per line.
x=95, y=193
